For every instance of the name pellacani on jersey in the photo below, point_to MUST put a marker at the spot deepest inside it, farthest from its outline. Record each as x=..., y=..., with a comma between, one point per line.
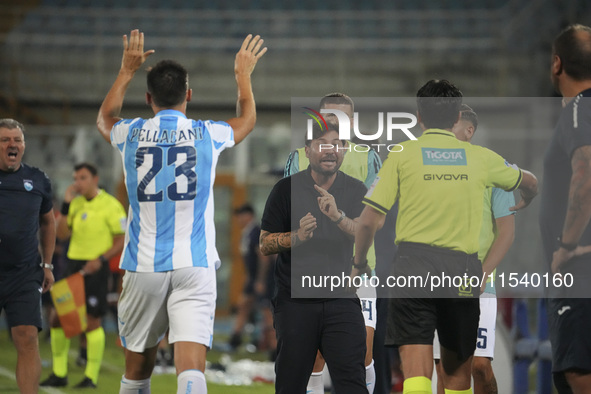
x=165, y=136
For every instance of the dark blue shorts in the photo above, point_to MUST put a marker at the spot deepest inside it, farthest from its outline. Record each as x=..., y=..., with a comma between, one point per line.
x=20, y=298
x=416, y=312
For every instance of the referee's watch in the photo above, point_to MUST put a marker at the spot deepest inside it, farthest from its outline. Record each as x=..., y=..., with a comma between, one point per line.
x=47, y=265
x=568, y=247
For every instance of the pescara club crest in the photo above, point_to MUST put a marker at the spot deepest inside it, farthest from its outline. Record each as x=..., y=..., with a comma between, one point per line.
x=28, y=184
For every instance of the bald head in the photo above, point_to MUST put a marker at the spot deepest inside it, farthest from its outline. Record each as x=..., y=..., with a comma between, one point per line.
x=573, y=47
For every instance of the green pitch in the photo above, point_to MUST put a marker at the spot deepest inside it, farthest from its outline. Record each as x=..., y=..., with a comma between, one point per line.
x=111, y=371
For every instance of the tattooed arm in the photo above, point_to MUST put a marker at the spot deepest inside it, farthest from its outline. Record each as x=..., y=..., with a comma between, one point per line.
x=271, y=243
x=349, y=226
x=579, y=204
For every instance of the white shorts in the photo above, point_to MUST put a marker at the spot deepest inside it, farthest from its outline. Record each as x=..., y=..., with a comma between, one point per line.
x=367, y=298
x=485, y=341
x=152, y=302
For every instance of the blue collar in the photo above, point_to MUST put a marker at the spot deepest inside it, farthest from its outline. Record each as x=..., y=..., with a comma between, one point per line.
x=171, y=112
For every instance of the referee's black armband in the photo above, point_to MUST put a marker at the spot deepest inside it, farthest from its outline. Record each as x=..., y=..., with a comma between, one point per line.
x=65, y=208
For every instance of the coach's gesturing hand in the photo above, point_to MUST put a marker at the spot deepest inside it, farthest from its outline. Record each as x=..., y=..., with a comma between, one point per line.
x=307, y=226
x=327, y=204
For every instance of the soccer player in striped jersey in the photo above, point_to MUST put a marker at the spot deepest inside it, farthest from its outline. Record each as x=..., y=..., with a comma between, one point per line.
x=170, y=256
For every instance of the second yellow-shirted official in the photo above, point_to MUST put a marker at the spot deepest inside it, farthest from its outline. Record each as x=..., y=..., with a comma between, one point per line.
x=93, y=224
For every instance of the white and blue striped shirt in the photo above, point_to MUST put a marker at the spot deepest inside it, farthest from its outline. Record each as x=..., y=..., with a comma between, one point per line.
x=169, y=163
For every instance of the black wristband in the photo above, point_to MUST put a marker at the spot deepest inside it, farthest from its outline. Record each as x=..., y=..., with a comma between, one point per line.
x=103, y=259
x=65, y=208
x=359, y=266
x=569, y=247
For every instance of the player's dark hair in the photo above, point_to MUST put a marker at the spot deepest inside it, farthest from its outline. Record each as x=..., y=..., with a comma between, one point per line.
x=168, y=83
x=90, y=167
x=438, y=103
x=337, y=98
x=319, y=130
x=8, y=123
x=468, y=114
x=573, y=47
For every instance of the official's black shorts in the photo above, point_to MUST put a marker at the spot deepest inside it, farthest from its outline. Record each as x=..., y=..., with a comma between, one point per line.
x=423, y=271
x=20, y=297
x=570, y=333
x=412, y=321
x=95, y=287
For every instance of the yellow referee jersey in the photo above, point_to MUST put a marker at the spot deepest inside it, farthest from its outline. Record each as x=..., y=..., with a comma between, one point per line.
x=440, y=182
x=93, y=224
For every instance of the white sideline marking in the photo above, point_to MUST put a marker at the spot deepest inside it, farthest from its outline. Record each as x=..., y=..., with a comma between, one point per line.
x=10, y=375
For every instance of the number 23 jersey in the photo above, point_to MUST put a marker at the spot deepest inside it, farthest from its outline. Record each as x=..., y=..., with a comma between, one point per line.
x=169, y=164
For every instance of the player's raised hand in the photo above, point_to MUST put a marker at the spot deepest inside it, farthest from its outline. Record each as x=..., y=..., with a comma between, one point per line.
x=248, y=55
x=133, y=52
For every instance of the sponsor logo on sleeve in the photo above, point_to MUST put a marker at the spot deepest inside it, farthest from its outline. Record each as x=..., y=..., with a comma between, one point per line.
x=511, y=165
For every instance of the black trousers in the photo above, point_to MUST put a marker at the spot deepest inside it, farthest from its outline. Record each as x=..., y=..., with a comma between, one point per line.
x=381, y=356
x=335, y=327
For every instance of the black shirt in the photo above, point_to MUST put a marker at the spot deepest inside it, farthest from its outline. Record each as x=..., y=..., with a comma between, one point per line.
x=572, y=131
x=329, y=251
x=24, y=195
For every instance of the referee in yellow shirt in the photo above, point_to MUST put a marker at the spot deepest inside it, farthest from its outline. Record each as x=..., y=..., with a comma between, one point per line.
x=95, y=223
x=439, y=182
